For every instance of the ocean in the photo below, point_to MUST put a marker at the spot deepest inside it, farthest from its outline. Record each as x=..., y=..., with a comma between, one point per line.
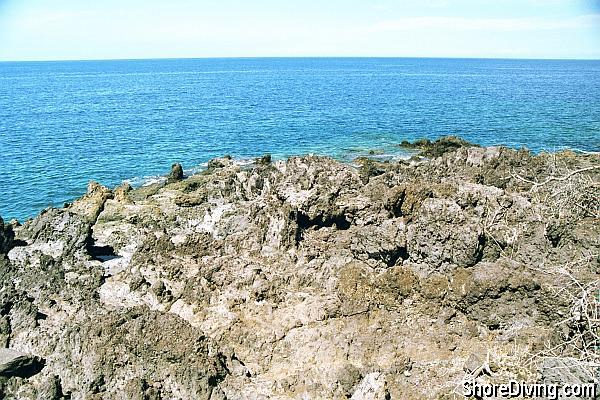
x=65, y=123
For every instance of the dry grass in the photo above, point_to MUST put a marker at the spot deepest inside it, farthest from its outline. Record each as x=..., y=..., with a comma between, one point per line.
x=566, y=195
x=580, y=331
x=569, y=192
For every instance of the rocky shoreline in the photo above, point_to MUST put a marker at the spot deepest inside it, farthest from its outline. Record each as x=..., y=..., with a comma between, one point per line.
x=309, y=278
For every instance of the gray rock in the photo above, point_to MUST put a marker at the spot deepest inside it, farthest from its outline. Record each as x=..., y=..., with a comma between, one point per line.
x=14, y=363
x=264, y=160
x=472, y=364
x=176, y=174
x=314, y=275
x=348, y=377
x=372, y=387
x=6, y=237
x=568, y=371
x=438, y=147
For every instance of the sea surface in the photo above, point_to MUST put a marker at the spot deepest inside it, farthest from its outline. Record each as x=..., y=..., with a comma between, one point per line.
x=65, y=123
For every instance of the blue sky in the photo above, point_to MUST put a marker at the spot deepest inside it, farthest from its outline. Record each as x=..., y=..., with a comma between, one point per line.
x=108, y=29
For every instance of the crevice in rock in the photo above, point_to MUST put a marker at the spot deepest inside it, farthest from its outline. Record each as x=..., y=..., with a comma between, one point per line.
x=320, y=221
x=30, y=370
x=19, y=243
x=58, y=391
x=392, y=257
x=481, y=243
x=389, y=257
x=101, y=253
x=21, y=366
x=39, y=316
x=6, y=307
x=394, y=202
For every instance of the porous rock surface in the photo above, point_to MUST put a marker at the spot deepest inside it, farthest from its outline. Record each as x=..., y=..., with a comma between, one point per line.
x=303, y=279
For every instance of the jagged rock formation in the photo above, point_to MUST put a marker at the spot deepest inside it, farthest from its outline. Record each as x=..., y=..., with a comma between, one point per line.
x=176, y=173
x=306, y=278
x=14, y=363
x=6, y=237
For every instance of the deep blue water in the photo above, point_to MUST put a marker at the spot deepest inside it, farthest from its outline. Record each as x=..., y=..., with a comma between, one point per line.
x=64, y=123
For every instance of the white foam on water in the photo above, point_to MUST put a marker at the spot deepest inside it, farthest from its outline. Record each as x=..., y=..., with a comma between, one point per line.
x=141, y=181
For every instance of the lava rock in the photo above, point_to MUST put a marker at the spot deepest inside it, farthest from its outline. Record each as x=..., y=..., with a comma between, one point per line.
x=6, y=237
x=176, y=174
x=438, y=147
x=14, y=363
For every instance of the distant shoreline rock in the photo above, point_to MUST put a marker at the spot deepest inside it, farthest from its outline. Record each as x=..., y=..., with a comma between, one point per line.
x=437, y=147
x=176, y=174
x=310, y=277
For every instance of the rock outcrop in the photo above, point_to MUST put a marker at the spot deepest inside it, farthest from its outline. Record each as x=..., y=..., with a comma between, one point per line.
x=6, y=237
x=176, y=173
x=309, y=278
x=14, y=363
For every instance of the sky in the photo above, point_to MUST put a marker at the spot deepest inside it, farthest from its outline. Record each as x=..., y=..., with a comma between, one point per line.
x=128, y=29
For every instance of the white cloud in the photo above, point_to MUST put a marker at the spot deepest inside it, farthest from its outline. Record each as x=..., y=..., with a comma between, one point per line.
x=212, y=32
x=487, y=24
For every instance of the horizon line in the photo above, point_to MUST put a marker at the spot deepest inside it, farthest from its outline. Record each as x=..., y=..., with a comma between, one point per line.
x=300, y=57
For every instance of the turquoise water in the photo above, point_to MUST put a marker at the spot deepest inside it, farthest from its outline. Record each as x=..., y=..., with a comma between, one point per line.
x=64, y=123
